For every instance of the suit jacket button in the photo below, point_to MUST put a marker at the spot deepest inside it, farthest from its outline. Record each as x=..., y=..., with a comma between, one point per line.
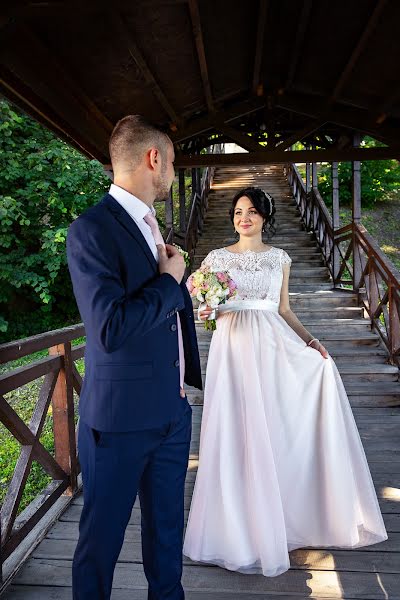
x=173, y=327
x=176, y=363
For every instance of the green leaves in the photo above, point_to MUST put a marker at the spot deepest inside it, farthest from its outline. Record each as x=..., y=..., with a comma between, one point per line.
x=380, y=180
x=44, y=185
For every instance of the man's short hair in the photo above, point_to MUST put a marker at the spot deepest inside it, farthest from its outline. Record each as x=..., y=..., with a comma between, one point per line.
x=131, y=137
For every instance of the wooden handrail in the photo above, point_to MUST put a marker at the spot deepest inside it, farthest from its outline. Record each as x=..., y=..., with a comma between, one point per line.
x=376, y=279
x=199, y=205
x=61, y=378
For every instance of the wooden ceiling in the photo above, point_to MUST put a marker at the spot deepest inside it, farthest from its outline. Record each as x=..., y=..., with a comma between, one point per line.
x=207, y=70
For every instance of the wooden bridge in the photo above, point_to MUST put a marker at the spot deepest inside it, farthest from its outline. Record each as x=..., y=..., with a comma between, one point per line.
x=264, y=74
x=338, y=319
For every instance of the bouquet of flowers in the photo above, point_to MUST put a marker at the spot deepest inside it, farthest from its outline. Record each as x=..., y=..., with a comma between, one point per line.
x=212, y=288
x=184, y=254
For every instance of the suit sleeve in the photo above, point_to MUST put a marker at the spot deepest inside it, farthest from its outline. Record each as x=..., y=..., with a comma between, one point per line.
x=108, y=313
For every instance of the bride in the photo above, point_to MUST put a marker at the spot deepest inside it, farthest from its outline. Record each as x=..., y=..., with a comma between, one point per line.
x=281, y=462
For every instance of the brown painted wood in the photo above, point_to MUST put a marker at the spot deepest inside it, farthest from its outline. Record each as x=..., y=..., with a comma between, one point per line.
x=240, y=138
x=19, y=348
x=182, y=200
x=22, y=375
x=125, y=36
x=201, y=53
x=283, y=157
x=46, y=500
x=301, y=31
x=359, y=48
x=63, y=416
x=261, y=24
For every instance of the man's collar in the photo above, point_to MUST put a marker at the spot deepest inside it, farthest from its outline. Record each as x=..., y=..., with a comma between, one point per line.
x=135, y=207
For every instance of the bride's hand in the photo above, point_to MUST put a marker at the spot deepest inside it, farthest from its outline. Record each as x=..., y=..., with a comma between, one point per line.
x=205, y=313
x=320, y=348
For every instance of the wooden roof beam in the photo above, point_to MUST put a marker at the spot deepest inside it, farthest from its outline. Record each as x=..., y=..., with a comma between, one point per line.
x=308, y=129
x=239, y=137
x=298, y=44
x=346, y=116
x=262, y=17
x=387, y=106
x=65, y=79
x=15, y=90
x=138, y=57
x=208, y=122
x=371, y=24
x=198, y=37
x=286, y=156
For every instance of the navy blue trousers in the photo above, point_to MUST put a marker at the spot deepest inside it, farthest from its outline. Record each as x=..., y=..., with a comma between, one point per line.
x=115, y=467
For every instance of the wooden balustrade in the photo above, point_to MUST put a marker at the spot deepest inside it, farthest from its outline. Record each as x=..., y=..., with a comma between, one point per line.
x=60, y=379
x=199, y=205
x=354, y=259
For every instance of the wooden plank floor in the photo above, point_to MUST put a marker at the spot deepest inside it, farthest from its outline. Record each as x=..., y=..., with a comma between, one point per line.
x=369, y=573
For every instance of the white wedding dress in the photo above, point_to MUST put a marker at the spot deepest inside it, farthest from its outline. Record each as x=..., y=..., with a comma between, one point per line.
x=281, y=462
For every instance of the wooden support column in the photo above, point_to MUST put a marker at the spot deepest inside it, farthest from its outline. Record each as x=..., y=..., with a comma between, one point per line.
x=356, y=211
x=169, y=214
x=63, y=416
x=335, y=219
x=182, y=201
x=314, y=172
x=308, y=178
x=194, y=182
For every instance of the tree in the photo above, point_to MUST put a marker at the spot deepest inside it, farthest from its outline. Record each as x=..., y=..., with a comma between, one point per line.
x=380, y=179
x=44, y=185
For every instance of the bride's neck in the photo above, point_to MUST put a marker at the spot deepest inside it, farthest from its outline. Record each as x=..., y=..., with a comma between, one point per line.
x=250, y=244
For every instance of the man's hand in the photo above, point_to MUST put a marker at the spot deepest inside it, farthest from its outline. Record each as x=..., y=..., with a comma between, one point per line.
x=171, y=261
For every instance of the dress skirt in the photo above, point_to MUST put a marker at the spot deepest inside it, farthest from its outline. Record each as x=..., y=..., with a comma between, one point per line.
x=281, y=462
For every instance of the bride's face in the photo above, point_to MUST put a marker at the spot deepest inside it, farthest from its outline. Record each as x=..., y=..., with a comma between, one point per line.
x=246, y=220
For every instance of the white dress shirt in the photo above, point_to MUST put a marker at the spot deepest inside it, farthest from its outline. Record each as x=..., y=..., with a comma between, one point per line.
x=137, y=210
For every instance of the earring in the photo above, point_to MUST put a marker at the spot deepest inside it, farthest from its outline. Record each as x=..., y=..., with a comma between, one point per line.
x=264, y=228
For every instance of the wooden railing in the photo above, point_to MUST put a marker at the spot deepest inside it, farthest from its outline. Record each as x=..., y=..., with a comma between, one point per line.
x=60, y=378
x=199, y=205
x=355, y=262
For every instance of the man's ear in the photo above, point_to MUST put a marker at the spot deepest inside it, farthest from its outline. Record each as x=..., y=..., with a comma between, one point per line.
x=153, y=158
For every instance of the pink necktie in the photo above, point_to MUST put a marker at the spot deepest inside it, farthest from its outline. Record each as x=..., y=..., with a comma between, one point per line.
x=158, y=238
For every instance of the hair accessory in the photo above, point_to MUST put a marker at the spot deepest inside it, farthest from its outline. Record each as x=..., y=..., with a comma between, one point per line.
x=269, y=198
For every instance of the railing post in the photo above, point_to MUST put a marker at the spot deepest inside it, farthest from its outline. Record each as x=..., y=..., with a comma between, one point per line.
x=335, y=221
x=356, y=212
x=182, y=201
x=63, y=416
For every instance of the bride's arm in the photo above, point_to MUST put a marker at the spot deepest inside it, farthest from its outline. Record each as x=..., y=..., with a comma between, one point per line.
x=291, y=319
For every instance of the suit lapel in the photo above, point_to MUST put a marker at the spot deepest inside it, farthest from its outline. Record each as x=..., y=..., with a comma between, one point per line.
x=129, y=224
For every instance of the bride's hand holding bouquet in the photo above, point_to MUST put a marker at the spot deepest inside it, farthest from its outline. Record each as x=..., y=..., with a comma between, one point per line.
x=211, y=288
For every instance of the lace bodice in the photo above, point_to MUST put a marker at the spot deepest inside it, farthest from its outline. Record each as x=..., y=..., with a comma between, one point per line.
x=258, y=275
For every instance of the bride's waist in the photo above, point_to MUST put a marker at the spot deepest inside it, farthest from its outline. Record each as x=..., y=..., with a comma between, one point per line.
x=237, y=305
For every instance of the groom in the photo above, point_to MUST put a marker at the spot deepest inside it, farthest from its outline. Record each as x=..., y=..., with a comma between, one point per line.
x=135, y=420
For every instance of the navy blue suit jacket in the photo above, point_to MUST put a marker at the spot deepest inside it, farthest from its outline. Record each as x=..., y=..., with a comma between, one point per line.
x=129, y=312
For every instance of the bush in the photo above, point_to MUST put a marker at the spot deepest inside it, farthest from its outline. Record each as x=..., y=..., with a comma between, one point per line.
x=44, y=185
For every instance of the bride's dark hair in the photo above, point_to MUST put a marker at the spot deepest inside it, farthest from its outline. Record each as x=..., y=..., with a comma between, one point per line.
x=262, y=202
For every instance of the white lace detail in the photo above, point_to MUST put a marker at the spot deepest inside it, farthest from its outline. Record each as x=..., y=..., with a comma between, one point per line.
x=258, y=275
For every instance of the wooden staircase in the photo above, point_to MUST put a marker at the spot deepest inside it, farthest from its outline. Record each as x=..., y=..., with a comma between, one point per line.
x=331, y=315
